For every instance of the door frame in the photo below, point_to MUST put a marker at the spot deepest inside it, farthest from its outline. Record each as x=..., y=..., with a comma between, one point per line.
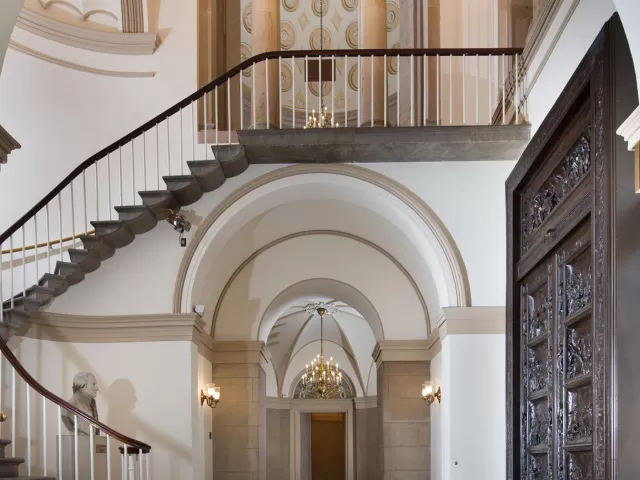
x=299, y=406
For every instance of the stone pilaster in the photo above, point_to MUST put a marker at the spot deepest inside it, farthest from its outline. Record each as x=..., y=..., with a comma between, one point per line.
x=404, y=419
x=239, y=423
x=265, y=37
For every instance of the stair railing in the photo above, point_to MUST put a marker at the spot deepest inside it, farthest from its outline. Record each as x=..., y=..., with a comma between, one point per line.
x=66, y=458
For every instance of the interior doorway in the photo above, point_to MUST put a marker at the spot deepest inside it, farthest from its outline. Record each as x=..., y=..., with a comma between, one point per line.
x=328, y=446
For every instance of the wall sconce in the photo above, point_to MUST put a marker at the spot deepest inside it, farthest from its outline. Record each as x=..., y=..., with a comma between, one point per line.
x=212, y=397
x=427, y=393
x=180, y=224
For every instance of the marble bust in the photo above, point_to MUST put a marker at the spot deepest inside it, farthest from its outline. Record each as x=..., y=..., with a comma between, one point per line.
x=85, y=389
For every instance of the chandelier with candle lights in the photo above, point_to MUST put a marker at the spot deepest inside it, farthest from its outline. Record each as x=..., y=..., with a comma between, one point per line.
x=321, y=378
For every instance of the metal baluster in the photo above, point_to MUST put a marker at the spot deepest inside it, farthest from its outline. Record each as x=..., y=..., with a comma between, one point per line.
x=60, y=444
x=59, y=223
x=306, y=89
x=438, y=90
x=517, y=96
x=293, y=91
x=464, y=90
x=146, y=458
x=346, y=88
x=109, y=183
x=490, y=89
x=91, y=455
x=206, y=150
x=253, y=93
x=119, y=171
x=385, y=88
x=24, y=265
x=46, y=213
x=44, y=435
x=73, y=216
x=229, y=110
x=424, y=91
x=181, y=140
x=1, y=320
x=398, y=91
x=157, y=158
x=133, y=175
x=215, y=94
x=280, y=96
x=95, y=181
x=35, y=245
x=84, y=200
x=11, y=267
x=333, y=94
x=108, y=457
x=266, y=79
x=477, y=76
x=139, y=460
x=126, y=463
x=504, y=87
x=75, y=445
x=28, y=393
x=359, y=92
x=144, y=160
x=241, y=100
x=168, y=147
x=193, y=131
x=372, y=97
x=320, y=92
x=450, y=89
x=13, y=412
x=412, y=94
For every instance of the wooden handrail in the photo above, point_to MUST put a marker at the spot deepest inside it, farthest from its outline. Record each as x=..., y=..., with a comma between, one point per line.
x=15, y=363
x=47, y=244
x=403, y=52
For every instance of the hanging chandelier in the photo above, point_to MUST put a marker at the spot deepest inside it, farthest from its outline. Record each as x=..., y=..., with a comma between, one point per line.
x=323, y=120
x=321, y=379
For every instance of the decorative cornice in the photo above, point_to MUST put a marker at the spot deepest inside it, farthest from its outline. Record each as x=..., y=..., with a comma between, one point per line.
x=365, y=402
x=7, y=144
x=76, y=66
x=276, y=403
x=241, y=352
x=114, y=329
x=630, y=129
x=88, y=39
x=401, y=351
x=471, y=321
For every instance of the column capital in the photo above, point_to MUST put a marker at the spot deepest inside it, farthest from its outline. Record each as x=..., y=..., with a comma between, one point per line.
x=402, y=351
x=239, y=351
x=630, y=129
x=470, y=321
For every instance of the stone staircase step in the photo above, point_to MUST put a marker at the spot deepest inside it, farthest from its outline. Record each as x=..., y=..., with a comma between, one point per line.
x=71, y=271
x=40, y=293
x=232, y=158
x=139, y=218
x=184, y=188
x=57, y=283
x=208, y=173
x=87, y=260
x=114, y=232
x=25, y=304
x=9, y=467
x=97, y=245
x=161, y=202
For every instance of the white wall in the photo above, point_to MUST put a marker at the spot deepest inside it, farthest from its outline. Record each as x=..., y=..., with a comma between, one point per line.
x=473, y=413
x=63, y=116
x=581, y=30
x=8, y=14
x=148, y=391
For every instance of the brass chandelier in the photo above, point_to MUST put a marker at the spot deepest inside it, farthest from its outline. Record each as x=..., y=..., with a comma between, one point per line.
x=321, y=379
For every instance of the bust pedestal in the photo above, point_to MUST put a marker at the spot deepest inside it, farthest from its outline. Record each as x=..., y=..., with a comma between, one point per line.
x=67, y=456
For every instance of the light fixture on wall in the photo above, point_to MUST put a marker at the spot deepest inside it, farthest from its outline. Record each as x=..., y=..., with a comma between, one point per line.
x=180, y=224
x=427, y=393
x=212, y=397
x=321, y=379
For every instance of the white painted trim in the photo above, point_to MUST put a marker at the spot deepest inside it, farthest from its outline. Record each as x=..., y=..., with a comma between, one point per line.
x=113, y=329
x=316, y=406
x=401, y=351
x=76, y=66
x=240, y=351
x=88, y=39
x=471, y=321
x=630, y=129
x=7, y=144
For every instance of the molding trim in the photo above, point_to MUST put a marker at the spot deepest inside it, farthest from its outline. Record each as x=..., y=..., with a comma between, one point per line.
x=361, y=403
x=452, y=261
x=275, y=403
x=401, y=351
x=7, y=145
x=471, y=321
x=113, y=329
x=76, y=66
x=630, y=129
x=241, y=351
x=88, y=39
x=337, y=233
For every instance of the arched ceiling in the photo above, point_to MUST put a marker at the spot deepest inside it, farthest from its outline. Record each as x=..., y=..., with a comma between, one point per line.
x=317, y=222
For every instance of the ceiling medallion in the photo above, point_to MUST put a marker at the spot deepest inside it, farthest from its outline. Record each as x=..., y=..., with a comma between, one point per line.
x=287, y=35
x=321, y=379
x=319, y=7
x=290, y=5
x=246, y=18
x=350, y=5
x=351, y=35
x=392, y=16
